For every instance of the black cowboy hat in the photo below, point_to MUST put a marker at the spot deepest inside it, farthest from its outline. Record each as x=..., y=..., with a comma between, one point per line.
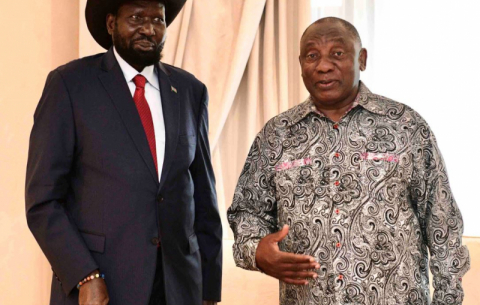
x=97, y=10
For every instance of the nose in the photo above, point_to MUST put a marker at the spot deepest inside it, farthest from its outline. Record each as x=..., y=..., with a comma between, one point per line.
x=147, y=29
x=324, y=65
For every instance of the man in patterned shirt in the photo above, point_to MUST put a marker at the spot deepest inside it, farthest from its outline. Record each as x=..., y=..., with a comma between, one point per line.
x=343, y=196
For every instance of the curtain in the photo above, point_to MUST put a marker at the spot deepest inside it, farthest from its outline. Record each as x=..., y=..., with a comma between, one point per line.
x=246, y=52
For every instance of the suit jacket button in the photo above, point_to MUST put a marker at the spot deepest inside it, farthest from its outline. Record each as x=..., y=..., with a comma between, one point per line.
x=155, y=241
x=159, y=198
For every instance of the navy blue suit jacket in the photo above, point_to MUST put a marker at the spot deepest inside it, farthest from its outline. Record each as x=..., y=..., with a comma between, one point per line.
x=93, y=199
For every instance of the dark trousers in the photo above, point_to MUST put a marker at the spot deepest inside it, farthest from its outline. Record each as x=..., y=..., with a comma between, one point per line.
x=158, y=290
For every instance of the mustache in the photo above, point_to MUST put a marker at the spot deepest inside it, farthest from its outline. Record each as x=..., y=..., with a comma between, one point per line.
x=145, y=38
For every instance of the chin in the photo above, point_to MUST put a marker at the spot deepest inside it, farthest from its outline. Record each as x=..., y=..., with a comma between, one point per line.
x=328, y=99
x=152, y=56
x=141, y=53
x=147, y=58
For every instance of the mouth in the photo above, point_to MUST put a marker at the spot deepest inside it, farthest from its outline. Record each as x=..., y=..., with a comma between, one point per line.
x=145, y=45
x=326, y=84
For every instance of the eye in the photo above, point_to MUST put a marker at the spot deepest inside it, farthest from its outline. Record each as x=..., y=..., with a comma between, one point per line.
x=158, y=20
x=311, y=56
x=135, y=17
x=338, y=54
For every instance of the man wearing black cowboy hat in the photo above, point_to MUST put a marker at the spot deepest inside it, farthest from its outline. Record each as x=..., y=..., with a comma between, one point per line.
x=120, y=191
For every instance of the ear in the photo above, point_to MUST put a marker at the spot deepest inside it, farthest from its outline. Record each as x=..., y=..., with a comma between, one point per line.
x=362, y=59
x=110, y=23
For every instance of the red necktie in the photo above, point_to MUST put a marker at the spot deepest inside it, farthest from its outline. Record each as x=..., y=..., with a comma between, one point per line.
x=145, y=114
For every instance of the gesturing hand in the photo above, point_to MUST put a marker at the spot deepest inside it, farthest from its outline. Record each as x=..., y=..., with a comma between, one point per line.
x=93, y=292
x=287, y=267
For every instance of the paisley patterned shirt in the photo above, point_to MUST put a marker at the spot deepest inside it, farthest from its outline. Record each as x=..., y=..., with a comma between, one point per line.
x=367, y=196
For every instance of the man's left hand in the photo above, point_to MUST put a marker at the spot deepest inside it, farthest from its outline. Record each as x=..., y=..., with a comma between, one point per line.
x=209, y=303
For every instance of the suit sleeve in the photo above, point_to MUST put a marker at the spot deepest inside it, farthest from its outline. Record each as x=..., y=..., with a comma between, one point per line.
x=50, y=159
x=440, y=219
x=208, y=227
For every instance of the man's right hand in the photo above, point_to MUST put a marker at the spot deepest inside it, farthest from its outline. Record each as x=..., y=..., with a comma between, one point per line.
x=93, y=292
x=287, y=267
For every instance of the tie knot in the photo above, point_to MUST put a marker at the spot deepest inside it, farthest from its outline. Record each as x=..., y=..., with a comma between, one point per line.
x=139, y=81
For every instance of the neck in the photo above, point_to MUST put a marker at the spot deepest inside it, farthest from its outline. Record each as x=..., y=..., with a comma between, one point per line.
x=137, y=67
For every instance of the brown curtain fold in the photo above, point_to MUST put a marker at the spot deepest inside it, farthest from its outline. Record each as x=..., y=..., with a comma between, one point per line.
x=246, y=52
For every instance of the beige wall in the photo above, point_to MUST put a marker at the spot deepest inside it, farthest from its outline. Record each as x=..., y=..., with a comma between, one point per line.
x=35, y=37
x=471, y=279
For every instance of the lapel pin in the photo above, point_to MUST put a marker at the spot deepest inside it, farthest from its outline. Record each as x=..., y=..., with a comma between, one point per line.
x=173, y=89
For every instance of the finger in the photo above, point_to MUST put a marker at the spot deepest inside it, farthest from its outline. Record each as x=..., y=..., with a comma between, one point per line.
x=294, y=281
x=291, y=258
x=280, y=235
x=299, y=274
x=300, y=267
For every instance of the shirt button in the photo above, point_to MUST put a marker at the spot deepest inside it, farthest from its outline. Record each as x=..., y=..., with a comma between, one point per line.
x=339, y=245
x=337, y=155
x=337, y=211
x=155, y=241
x=337, y=183
x=335, y=126
x=340, y=276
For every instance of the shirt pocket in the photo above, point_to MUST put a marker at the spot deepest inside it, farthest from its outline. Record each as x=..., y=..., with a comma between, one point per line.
x=295, y=190
x=375, y=167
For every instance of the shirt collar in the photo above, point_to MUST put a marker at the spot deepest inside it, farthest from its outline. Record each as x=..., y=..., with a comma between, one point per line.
x=129, y=72
x=365, y=98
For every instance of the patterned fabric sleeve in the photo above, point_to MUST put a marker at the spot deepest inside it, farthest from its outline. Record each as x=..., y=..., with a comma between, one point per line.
x=440, y=219
x=252, y=214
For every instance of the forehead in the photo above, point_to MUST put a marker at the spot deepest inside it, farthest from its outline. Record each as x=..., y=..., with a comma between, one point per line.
x=327, y=32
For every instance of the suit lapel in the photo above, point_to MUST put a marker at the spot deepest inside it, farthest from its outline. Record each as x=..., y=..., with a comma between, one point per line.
x=171, y=116
x=116, y=86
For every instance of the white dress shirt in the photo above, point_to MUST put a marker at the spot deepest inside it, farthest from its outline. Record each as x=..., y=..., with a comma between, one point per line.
x=152, y=95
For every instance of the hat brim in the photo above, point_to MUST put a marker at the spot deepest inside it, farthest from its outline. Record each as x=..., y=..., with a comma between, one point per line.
x=96, y=13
